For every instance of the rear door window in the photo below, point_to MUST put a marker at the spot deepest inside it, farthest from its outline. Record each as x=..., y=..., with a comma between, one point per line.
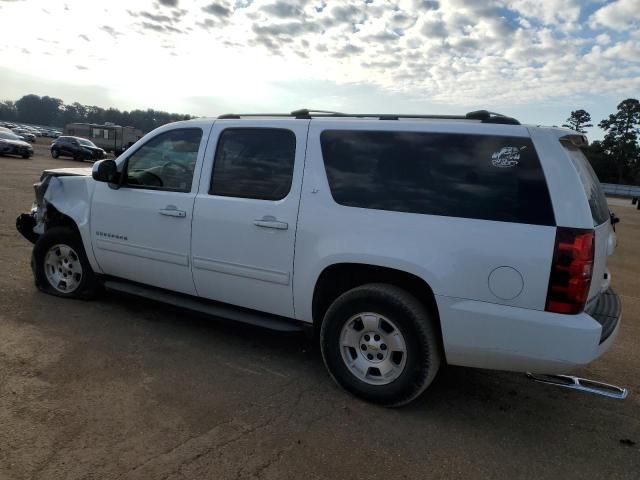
x=459, y=175
x=590, y=183
x=254, y=163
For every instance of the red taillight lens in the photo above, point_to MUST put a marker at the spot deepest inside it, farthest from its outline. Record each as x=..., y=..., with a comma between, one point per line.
x=571, y=270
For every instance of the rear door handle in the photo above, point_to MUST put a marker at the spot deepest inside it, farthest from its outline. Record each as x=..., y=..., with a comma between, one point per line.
x=271, y=222
x=172, y=211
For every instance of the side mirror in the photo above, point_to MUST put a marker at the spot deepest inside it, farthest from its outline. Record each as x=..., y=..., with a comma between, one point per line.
x=105, y=171
x=614, y=219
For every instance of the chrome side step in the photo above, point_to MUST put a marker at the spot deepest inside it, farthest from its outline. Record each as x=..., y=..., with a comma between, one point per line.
x=581, y=384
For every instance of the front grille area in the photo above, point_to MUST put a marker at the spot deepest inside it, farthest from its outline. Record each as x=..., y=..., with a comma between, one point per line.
x=606, y=311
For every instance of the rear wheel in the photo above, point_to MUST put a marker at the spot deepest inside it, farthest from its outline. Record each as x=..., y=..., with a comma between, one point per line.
x=61, y=266
x=380, y=343
x=26, y=156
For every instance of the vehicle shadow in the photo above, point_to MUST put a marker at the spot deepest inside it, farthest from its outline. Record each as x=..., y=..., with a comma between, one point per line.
x=458, y=388
x=205, y=371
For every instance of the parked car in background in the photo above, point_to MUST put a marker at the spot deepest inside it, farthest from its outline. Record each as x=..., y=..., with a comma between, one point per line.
x=76, y=147
x=12, y=144
x=26, y=135
x=50, y=133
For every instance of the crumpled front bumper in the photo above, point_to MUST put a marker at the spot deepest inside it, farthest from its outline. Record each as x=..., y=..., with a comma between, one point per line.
x=25, y=224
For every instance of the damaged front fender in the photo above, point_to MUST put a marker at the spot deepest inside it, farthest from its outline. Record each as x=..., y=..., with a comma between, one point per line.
x=61, y=195
x=71, y=196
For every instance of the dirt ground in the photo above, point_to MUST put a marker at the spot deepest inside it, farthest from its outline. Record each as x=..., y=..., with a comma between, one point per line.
x=127, y=388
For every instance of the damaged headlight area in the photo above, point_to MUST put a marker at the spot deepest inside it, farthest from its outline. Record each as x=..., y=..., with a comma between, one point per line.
x=61, y=198
x=31, y=225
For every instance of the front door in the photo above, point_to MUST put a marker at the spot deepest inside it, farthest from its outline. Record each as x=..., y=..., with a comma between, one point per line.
x=142, y=231
x=245, y=213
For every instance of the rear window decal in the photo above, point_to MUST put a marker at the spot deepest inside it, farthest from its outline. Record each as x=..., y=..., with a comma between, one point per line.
x=507, y=157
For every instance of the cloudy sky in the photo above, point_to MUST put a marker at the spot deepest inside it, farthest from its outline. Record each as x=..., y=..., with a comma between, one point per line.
x=536, y=60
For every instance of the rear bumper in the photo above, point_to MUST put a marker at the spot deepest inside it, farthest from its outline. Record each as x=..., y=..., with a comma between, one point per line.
x=607, y=311
x=500, y=337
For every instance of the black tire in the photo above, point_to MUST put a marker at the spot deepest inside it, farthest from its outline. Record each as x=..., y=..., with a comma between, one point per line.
x=55, y=153
x=88, y=285
x=26, y=156
x=416, y=324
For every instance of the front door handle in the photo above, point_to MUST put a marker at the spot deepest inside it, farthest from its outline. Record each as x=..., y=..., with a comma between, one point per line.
x=172, y=211
x=271, y=222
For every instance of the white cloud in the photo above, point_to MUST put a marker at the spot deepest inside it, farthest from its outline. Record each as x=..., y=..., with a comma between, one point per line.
x=548, y=11
x=458, y=52
x=618, y=15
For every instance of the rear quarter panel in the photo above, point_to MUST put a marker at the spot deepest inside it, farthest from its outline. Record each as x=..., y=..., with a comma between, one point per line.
x=455, y=256
x=570, y=202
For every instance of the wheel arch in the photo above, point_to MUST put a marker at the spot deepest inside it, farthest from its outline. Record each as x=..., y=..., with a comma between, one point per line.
x=55, y=218
x=339, y=278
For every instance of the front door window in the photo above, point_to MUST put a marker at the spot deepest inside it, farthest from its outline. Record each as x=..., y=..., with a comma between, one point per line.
x=166, y=162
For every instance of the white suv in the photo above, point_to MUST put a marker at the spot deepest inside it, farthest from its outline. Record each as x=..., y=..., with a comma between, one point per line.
x=404, y=241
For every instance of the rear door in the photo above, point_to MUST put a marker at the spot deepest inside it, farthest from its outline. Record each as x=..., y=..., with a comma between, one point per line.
x=245, y=214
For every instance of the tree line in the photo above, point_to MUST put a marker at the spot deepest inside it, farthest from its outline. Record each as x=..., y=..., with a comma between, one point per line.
x=616, y=159
x=54, y=112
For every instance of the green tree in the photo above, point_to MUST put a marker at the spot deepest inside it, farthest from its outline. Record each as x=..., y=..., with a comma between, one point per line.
x=74, y=113
x=52, y=111
x=601, y=162
x=621, y=139
x=578, y=121
x=34, y=109
x=8, y=111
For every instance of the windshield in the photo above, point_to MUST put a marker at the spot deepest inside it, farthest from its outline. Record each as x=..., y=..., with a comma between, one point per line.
x=9, y=136
x=85, y=142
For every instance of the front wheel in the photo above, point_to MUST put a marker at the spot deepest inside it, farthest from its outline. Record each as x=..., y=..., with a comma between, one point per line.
x=61, y=266
x=55, y=153
x=380, y=344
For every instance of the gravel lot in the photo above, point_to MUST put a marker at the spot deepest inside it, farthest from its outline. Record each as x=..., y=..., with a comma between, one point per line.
x=127, y=388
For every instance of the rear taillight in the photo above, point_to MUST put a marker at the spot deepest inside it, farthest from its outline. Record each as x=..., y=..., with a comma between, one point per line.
x=571, y=270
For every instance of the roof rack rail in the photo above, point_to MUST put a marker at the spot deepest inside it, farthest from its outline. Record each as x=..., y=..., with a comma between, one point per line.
x=306, y=113
x=483, y=116
x=491, y=117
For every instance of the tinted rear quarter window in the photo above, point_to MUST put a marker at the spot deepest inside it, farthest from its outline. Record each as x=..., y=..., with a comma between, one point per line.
x=459, y=175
